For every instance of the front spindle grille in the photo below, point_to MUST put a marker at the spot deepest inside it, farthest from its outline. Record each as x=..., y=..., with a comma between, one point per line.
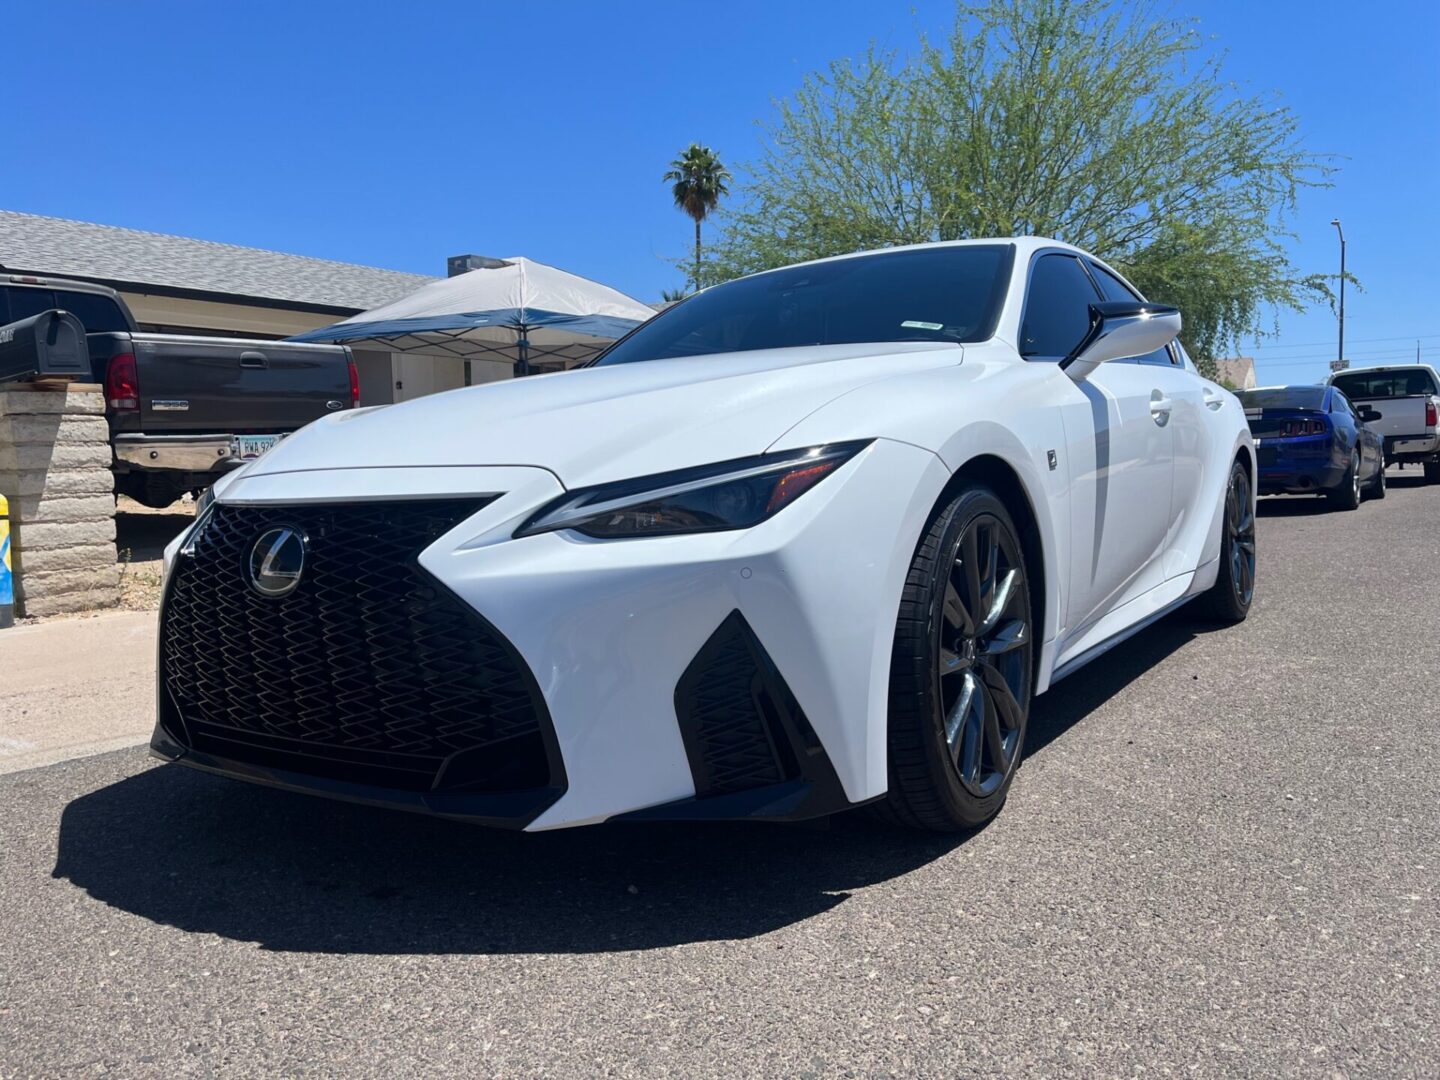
x=370, y=671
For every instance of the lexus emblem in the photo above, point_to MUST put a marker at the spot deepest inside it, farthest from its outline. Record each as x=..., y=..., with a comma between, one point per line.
x=277, y=560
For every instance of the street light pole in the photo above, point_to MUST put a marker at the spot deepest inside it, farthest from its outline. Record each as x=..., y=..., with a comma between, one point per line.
x=1336, y=223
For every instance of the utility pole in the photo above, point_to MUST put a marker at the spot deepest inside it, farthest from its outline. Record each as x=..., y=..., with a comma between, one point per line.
x=1336, y=223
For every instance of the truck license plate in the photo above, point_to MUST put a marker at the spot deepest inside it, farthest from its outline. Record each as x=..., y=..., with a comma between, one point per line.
x=249, y=447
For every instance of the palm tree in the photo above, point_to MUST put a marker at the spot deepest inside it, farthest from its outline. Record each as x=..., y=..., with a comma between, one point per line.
x=698, y=180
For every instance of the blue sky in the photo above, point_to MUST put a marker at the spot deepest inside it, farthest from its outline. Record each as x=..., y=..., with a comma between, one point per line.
x=397, y=134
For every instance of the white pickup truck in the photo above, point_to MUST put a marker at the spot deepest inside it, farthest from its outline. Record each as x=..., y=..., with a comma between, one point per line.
x=1408, y=400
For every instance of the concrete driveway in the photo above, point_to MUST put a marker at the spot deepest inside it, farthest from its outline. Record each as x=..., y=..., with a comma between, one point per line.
x=75, y=686
x=1220, y=858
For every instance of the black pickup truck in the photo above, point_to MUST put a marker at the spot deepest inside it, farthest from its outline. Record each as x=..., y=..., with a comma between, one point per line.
x=183, y=410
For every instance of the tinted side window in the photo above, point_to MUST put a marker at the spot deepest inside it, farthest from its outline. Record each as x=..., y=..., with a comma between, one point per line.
x=1115, y=289
x=27, y=302
x=99, y=314
x=1057, y=308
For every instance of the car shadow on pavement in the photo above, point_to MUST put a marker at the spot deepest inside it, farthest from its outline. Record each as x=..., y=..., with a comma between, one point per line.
x=297, y=873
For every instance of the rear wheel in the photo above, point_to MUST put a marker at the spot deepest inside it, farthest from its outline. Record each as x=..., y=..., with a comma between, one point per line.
x=1432, y=472
x=1229, y=599
x=1346, y=494
x=1377, y=486
x=961, y=672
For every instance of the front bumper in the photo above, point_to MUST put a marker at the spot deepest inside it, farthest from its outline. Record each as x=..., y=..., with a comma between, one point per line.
x=610, y=629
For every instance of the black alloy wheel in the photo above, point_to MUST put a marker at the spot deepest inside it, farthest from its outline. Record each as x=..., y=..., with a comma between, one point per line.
x=1229, y=599
x=963, y=668
x=1240, y=537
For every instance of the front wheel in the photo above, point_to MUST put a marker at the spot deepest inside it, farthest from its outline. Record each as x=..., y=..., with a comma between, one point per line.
x=961, y=672
x=1229, y=599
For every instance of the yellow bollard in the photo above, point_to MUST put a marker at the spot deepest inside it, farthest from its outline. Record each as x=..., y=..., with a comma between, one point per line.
x=7, y=579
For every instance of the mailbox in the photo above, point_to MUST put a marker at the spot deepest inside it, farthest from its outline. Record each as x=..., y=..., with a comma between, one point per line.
x=50, y=345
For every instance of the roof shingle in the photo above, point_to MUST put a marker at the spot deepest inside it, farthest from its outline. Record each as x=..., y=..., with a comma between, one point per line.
x=58, y=246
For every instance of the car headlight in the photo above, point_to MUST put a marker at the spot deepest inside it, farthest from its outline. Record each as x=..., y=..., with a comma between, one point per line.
x=710, y=498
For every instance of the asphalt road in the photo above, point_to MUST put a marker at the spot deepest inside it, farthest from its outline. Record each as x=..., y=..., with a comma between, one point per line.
x=1221, y=857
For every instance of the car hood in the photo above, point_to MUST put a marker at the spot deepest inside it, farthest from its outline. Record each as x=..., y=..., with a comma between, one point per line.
x=605, y=423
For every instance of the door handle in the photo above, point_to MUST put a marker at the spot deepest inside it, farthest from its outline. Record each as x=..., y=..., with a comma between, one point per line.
x=252, y=359
x=1213, y=401
x=1159, y=408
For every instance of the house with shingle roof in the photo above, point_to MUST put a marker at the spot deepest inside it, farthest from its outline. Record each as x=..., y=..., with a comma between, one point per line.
x=175, y=284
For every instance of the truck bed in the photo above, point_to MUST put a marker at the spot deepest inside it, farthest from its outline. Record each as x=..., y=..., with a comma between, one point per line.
x=204, y=385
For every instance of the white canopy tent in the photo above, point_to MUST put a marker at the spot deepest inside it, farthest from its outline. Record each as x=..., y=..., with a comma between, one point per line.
x=513, y=310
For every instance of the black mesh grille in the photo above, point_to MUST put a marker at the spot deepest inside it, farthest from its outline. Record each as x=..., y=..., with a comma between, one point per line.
x=370, y=671
x=730, y=704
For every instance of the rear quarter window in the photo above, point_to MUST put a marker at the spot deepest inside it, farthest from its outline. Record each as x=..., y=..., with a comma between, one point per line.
x=99, y=314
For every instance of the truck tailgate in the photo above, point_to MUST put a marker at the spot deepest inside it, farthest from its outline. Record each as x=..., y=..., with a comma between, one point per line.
x=198, y=385
x=1399, y=416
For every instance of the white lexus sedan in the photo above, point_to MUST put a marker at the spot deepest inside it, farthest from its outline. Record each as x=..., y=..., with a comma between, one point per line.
x=809, y=539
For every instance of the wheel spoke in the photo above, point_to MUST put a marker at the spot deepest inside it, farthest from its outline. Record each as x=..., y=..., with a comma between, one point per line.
x=963, y=731
x=956, y=614
x=1011, y=635
x=1000, y=693
x=998, y=606
x=999, y=759
x=970, y=567
x=951, y=662
x=992, y=569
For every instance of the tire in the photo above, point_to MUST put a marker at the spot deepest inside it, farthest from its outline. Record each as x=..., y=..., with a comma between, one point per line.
x=1228, y=601
x=961, y=671
x=1346, y=494
x=1376, y=490
x=1432, y=472
x=157, y=491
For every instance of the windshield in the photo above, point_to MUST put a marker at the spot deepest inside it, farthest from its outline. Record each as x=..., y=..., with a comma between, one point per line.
x=1284, y=397
x=1385, y=384
x=949, y=294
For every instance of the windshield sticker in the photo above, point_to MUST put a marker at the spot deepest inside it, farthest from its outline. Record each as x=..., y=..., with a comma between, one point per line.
x=912, y=324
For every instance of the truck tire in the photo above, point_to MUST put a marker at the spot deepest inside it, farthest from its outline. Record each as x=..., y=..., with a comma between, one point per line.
x=1432, y=472
x=155, y=490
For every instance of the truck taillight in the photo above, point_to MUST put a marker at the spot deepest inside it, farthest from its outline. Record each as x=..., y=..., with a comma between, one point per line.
x=122, y=383
x=354, y=383
x=1430, y=418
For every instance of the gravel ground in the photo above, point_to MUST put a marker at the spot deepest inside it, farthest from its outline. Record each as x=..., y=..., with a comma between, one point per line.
x=140, y=538
x=1219, y=858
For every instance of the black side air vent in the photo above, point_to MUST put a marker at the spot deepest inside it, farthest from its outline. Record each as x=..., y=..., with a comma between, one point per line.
x=740, y=722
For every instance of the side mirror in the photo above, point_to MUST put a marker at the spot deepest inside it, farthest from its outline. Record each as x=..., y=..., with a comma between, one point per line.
x=1120, y=329
x=1369, y=415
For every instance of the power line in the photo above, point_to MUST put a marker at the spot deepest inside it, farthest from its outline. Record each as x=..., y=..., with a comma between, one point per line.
x=1360, y=341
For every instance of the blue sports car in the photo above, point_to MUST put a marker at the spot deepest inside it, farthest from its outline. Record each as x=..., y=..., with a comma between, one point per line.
x=1309, y=440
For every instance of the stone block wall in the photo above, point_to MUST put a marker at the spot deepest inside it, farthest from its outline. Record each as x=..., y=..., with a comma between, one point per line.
x=55, y=470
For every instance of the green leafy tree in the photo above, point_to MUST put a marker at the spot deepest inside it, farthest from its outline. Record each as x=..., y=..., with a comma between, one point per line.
x=698, y=181
x=672, y=296
x=1108, y=126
